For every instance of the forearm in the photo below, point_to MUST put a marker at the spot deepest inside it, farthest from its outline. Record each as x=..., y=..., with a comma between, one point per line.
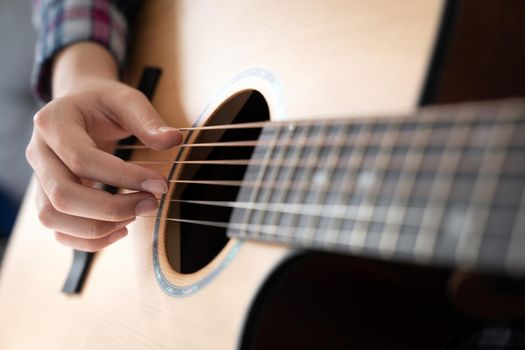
x=62, y=25
x=77, y=66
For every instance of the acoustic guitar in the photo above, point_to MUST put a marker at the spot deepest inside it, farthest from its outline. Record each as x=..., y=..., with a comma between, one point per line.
x=351, y=171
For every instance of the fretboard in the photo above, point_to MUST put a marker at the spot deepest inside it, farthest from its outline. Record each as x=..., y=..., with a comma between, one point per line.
x=443, y=186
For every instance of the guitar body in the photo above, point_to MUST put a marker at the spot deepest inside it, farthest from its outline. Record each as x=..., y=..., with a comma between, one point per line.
x=307, y=60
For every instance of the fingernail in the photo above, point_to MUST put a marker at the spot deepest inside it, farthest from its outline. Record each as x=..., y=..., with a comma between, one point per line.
x=177, y=136
x=154, y=185
x=115, y=236
x=166, y=128
x=146, y=206
x=124, y=223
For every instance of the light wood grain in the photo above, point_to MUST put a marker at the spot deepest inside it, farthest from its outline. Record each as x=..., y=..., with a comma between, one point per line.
x=331, y=58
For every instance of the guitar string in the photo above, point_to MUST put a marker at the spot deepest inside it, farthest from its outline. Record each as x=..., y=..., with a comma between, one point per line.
x=428, y=150
x=296, y=186
x=404, y=141
x=387, y=225
x=239, y=162
x=301, y=185
x=275, y=229
x=314, y=209
x=466, y=168
x=289, y=208
x=398, y=148
x=268, y=229
x=306, y=184
x=410, y=120
x=388, y=168
x=335, y=210
x=327, y=121
x=234, y=225
x=237, y=183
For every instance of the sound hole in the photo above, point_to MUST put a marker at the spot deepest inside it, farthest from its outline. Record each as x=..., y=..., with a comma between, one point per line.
x=190, y=246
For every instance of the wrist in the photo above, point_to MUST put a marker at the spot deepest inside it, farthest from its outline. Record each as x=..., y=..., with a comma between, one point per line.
x=79, y=66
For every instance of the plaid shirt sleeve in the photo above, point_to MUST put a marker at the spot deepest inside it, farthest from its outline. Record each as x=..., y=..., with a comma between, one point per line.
x=64, y=22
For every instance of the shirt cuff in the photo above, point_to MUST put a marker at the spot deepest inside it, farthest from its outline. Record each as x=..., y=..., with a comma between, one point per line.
x=62, y=23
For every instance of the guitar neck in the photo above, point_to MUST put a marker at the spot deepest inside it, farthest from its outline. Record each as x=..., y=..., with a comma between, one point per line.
x=443, y=186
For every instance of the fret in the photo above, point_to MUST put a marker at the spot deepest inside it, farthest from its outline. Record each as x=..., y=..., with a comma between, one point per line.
x=291, y=194
x=261, y=173
x=343, y=227
x=501, y=232
x=306, y=176
x=307, y=223
x=339, y=196
x=286, y=196
x=397, y=213
x=371, y=189
x=329, y=237
x=273, y=233
x=271, y=217
x=404, y=135
x=515, y=259
x=452, y=192
x=262, y=216
x=336, y=212
x=440, y=191
x=475, y=219
x=323, y=181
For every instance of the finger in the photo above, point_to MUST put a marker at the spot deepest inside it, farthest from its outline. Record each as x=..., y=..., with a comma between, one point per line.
x=103, y=167
x=85, y=160
x=74, y=225
x=88, y=162
x=68, y=196
x=132, y=110
x=90, y=245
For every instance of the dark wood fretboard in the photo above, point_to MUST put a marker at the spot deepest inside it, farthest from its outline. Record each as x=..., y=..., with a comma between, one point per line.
x=442, y=186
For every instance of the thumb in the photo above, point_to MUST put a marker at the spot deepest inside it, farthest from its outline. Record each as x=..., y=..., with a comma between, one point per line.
x=134, y=113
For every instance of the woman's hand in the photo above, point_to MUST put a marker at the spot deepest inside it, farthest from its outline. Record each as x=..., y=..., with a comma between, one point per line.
x=91, y=110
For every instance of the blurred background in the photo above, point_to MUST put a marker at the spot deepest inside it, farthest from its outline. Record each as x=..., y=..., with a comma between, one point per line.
x=17, y=107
